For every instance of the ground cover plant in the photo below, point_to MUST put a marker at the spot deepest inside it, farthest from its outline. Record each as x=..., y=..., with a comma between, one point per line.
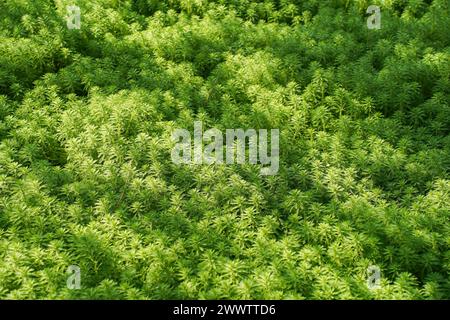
x=86, y=177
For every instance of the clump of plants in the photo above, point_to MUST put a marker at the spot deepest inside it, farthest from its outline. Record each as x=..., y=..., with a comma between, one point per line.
x=86, y=177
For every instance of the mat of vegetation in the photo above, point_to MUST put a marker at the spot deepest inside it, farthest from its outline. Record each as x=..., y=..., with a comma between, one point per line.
x=86, y=176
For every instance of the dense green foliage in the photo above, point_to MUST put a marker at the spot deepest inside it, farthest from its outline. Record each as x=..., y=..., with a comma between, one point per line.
x=86, y=176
